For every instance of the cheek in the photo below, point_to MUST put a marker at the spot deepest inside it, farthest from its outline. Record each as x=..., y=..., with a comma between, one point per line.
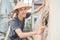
x=21, y=11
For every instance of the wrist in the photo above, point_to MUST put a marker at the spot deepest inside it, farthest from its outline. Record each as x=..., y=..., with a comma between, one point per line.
x=42, y=6
x=35, y=33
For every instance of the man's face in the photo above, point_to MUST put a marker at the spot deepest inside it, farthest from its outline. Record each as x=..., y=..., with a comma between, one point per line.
x=22, y=12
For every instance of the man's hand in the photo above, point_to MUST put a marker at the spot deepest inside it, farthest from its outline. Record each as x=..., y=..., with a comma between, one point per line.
x=40, y=31
x=43, y=4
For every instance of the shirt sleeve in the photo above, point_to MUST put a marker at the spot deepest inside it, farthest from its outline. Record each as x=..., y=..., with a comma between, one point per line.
x=15, y=25
x=28, y=14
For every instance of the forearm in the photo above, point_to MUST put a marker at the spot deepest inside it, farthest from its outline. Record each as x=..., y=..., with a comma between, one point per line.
x=27, y=34
x=37, y=10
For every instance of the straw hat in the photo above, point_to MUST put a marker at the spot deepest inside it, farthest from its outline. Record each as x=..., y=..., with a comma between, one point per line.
x=20, y=5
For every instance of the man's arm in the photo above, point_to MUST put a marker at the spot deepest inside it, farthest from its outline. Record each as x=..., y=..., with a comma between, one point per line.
x=39, y=8
x=28, y=34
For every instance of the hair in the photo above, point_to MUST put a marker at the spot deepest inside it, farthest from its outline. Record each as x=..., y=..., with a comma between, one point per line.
x=17, y=11
x=11, y=14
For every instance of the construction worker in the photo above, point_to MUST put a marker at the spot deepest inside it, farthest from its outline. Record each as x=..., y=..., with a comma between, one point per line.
x=17, y=24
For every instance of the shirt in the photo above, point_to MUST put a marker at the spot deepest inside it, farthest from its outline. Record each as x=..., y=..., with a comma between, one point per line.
x=15, y=24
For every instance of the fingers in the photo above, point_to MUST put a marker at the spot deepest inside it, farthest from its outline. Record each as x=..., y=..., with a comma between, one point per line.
x=42, y=30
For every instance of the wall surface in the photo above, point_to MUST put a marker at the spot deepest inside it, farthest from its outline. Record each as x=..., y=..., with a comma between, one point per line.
x=54, y=21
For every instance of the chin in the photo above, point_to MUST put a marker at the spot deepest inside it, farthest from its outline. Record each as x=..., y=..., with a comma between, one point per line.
x=24, y=15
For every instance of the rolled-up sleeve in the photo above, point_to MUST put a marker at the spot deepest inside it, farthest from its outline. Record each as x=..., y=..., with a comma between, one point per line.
x=28, y=14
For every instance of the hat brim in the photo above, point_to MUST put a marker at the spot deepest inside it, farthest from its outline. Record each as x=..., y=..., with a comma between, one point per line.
x=14, y=9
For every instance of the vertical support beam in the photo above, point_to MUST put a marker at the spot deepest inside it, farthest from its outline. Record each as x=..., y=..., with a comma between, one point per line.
x=32, y=15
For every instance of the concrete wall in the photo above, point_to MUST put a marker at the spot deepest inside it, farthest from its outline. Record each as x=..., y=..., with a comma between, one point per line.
x=54, y=21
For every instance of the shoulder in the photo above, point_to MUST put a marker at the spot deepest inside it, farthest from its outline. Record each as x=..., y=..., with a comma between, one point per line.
x=14, y=22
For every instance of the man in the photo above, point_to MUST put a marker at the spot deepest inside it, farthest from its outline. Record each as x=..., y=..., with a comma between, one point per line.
x=17, y=24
